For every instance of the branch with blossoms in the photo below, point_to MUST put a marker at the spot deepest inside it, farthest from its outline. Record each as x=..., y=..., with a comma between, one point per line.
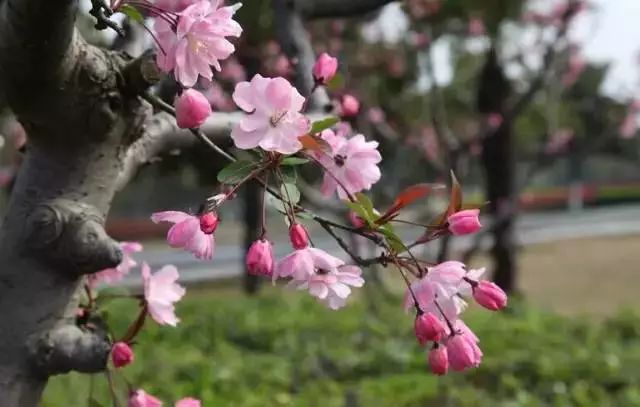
x=277, y=136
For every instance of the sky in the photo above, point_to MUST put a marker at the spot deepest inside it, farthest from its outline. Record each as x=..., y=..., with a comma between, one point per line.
x=609, y=32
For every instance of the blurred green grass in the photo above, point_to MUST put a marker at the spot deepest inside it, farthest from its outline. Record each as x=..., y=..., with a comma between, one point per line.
x=286, y=350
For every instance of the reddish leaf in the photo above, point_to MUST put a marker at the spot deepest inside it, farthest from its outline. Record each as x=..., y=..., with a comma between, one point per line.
x=314, y=143
x=455, y=202
x=406, y=198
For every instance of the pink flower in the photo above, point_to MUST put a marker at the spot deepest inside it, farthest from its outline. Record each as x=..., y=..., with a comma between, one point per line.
x=464, y=222
x=259, y=259
x=439, y=360
x=113, y=275
x=298, y=236
x=376, y=115
x=349, y=106
x=463, y=351
x=121, y=354
x=489, y=295
x=186, y=233
x=192, y=109
x=326, y=277
x=275, y=122
x=174, y=5
x=325, y=68
x=188, y=402
x=428, y=327
x=161, y=292
x=197, y=42
x=139, y=398
x=351, y=165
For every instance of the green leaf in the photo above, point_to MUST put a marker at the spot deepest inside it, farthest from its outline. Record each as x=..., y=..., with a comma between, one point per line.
x=367, y=205
x=289, y=175
x=291, y=192
x=94, y=403
x=324, y=124
x=294, y=161
x=360, y=211
x=132, y=13
x=236, y=172
x=276, y=204
x=394, y=241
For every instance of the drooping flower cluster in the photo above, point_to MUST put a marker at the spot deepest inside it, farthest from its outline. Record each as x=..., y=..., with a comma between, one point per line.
x=193, y=233
x=439, y=295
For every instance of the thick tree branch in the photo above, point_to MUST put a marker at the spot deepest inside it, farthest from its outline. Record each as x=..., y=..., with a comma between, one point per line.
x=295, y=41
x=68, y=348
x=312, y=9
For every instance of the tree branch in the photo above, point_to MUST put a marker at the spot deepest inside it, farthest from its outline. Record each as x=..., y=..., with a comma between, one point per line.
x=295, y=41
x=68, y=348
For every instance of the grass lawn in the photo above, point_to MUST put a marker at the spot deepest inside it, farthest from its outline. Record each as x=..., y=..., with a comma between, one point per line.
x=283, y=349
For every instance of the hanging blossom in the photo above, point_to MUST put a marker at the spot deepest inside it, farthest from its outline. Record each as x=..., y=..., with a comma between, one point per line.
x=352, y=164
x=195, y=39
x=439, y=295
x=274, y=121
x=113, y=275
x=192, y=233
x=161, y=292
x=324, y=276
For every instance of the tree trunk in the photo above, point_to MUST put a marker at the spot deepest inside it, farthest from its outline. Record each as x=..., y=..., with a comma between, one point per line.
x=499, y=167
x=252, y=221
x=80, y=108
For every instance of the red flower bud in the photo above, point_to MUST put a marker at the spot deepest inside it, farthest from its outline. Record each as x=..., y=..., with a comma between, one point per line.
x=489, y=295
x=121, y=354
x=325, y=68
x=428, y=327
x=439, y=360
x=208, y=222
x=298, y=236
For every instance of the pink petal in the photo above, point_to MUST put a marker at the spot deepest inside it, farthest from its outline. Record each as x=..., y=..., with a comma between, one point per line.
x=170, y=216
x=181, y=233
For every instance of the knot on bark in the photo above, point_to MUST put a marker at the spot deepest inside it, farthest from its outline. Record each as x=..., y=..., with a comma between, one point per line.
x=70, y=348
x=71, y=236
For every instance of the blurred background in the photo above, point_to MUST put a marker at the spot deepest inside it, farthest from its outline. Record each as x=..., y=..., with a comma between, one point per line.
x=533, y=104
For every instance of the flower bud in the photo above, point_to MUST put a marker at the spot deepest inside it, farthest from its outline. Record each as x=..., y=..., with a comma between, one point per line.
x=438, y=360
x=259, y=258
x=464, y=222
x=192, y=109
x=463, y=352
x=298, y=236
x=121, y=354
x=325, y=68
x=188, y=402
x=428, y=327
x=349, y=106
x=139, y=398
x=208, y=223
x=356, y=220
x=489, y=295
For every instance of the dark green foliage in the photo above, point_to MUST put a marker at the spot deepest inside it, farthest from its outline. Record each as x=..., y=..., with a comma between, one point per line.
x=287, y=350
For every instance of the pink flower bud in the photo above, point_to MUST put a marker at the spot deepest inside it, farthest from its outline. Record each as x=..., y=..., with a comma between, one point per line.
x=489, y=295
x=192, y=109
x=439, y=360
x=121, y=354
x=259, y=259
x=208, y=223
x=463, y=352
x=428, y=327
x=356, y=220
x=188, y=402
x=139, y=398
x=464, y=222
x=325, y=68
x=298, y=236
x=349, y=106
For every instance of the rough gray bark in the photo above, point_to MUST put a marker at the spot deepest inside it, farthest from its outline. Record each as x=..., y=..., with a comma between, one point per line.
x=80, y=107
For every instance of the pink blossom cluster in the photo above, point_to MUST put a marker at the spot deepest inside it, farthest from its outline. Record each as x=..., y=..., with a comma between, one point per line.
x=438, y=299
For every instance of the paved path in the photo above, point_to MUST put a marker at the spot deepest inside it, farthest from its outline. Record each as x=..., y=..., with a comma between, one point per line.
x=530, y=229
